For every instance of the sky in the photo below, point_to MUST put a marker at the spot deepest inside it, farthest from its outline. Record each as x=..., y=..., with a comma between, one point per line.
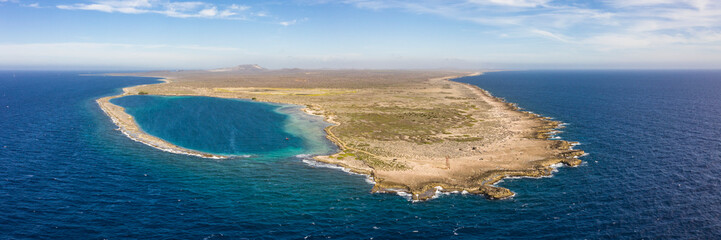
x=360, y=34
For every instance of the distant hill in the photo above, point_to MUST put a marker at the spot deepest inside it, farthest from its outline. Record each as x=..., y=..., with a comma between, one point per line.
x=240, y=68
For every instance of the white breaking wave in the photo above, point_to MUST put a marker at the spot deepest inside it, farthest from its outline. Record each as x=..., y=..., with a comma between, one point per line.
x=405, y=195
x=307, y=159
x=170, y=150
x=303, y=156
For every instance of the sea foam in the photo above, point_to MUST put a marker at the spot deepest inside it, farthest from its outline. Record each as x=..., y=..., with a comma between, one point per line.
x=308, y=159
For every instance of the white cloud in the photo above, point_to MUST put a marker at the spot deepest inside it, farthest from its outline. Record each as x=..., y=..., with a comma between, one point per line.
x=209, y=12
x=103, y=8
x=238, y=7
x=179, y=9
x=133, y=6
x=183, y=6
x=292, y=22
x=614, y=41
x=605, y=25
x=514, y=3
x=550, y=35
x=539, y=14
x=226, y=13
x=116, y=55
x=697, y=4
x=288, y=23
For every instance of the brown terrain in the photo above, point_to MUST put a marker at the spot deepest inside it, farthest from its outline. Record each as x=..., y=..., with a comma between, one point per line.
x=412, y=131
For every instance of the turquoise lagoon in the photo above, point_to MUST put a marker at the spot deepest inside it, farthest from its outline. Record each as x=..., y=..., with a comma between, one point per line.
x=230, y=127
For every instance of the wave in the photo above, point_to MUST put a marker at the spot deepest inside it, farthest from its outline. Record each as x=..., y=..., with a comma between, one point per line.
x=439, y=191
x=308, y=159
x=554, y=169
x=406, y=195
x=170, y=150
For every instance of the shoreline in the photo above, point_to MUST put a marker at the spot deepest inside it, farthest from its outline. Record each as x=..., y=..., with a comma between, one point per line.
x=483, y=184
x=131, y=129
x=127, y=125
x=488, y=188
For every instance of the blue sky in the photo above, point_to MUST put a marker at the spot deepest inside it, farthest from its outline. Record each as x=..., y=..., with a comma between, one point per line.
x=476, y=34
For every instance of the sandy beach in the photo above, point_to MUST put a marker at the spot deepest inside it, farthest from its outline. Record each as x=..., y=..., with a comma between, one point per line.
x=413, y=132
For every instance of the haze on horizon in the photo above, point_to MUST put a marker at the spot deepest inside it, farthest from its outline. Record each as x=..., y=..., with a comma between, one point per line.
x=478, y=34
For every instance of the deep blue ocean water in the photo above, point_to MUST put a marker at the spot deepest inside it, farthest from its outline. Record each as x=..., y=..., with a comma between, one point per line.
x=654, y=139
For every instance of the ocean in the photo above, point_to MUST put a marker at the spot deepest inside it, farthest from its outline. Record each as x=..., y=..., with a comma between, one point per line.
x=653, y=138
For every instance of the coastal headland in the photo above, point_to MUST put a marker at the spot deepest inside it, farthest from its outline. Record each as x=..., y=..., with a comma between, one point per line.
x=413, y=132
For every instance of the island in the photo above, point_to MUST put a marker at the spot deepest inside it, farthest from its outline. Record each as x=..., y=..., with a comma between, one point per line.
x=414, y=132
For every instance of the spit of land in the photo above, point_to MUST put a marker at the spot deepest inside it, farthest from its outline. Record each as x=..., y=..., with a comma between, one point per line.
x=412, y=131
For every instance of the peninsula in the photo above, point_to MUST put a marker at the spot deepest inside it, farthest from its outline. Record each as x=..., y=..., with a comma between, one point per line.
x=411, y=131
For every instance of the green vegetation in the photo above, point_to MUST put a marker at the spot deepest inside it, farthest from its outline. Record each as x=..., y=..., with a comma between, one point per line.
x=344, y=155
x=376, y=163
x=464, y=139
x=371, y=160
x=418, y=125
x=142, y=93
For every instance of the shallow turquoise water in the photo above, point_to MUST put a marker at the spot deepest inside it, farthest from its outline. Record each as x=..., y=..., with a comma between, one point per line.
x=228, y=126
